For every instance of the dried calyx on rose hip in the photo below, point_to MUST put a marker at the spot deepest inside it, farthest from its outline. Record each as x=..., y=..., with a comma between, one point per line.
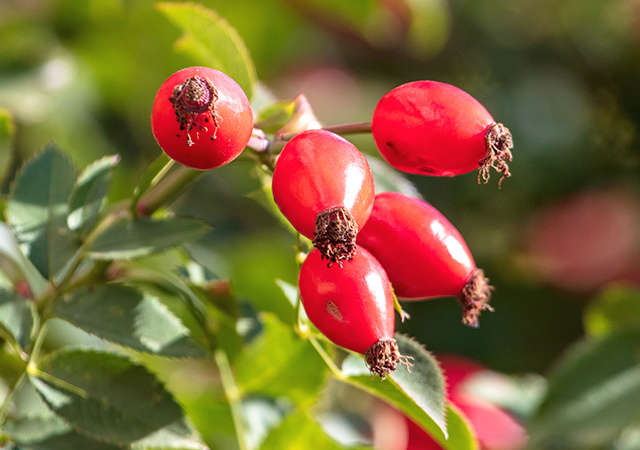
x=201, y=118
x=424, y=255
x=353, y=307
x=432, y=128
x=324, y=187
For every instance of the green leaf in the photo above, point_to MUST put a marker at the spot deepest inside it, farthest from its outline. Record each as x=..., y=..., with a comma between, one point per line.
x=127, y=317
x=387, y=179
x=419, y=393
x=299, y=431
x=37, y=211
x=104, y=395
x=616, y=308
x=273, y=117
x=7, y=130
x=264, y=197
x=593, y=393
x=212, y=42
x=288, y=365
x=15, y=265
x=88, y=196
x=148, y=176
x=18, y=317
x=132, y=238
x=461, y=436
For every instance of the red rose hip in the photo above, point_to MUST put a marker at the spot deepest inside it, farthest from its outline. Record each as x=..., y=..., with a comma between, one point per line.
x=353, y=306
x=423, y=254
x=432, y=128
x=324, y=187
x=201, y=118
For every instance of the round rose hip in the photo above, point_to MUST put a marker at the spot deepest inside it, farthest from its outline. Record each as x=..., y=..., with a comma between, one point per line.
x=423, y=254
x=433, y=128
x=353, y=306
x=324, y=187
x=201, y=118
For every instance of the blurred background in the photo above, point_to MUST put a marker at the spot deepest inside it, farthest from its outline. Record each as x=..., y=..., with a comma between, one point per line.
x=561, y=75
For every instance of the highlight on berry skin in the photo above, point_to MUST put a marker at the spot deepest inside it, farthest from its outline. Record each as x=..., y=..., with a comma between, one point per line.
x=424, y=255
x=201, y=118
x=324, y=187
x=436, y=129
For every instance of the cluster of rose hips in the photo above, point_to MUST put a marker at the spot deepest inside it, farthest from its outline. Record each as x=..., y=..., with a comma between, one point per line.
x=368, y=248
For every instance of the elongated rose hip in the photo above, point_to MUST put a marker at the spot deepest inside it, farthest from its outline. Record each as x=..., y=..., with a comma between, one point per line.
x=353, y=306
x=324, y=187
x=423, y=254
x=432, y=128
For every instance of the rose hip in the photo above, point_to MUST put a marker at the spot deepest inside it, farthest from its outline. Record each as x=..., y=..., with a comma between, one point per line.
x=201, y=118
x=423, y=254
x=324, y=187
x=432, y=128
x=353, y=306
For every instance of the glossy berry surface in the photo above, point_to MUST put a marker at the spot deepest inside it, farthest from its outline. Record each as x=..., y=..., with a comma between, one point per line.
x=423, y=254
x=201, y=118
x=352, y=305
x=433, y=128
x=319, y=171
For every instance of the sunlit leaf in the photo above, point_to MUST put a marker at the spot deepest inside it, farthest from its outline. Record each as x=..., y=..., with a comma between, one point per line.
x=89, y=193
x=212, y=42
x=417, y=391
x=127, y=317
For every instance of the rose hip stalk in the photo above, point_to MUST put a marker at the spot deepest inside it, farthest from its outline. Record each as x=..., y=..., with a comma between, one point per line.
x=201, y=118
x=324, y=187
x=433, y=128
x=423, y=254
x=353, y=306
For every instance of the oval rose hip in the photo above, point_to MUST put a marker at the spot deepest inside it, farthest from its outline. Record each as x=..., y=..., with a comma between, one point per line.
x=423, y=254
x=201, y=118
x=433, y=128
x=353, y=306
x=324, y=187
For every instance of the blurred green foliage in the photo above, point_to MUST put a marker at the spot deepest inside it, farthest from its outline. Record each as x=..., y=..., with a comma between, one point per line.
x=561, y=75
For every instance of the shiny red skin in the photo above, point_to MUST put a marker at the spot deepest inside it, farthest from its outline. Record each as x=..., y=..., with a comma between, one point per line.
x=422, y=253
x=318, y=170
x=352, y=305
x=431, y=128
x=235, y=122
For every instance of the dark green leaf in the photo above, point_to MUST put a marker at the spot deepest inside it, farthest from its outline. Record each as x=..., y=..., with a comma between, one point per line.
x=127, y=317
x=616, y=308
x=104, y=395
x=593, y=393
x=387, y=179
x=288, y=365
x=419, y=393
x=298, y=431
x=37, y=211
x=7, y=131
x=17, y=316
x=89, y=193
x=129, y=238
x=212, y=42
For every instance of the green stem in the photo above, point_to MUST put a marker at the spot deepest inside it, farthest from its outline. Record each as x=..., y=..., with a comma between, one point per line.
x=232, y=394
x=167, y=190
x=337, y=373
x=7, y=399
